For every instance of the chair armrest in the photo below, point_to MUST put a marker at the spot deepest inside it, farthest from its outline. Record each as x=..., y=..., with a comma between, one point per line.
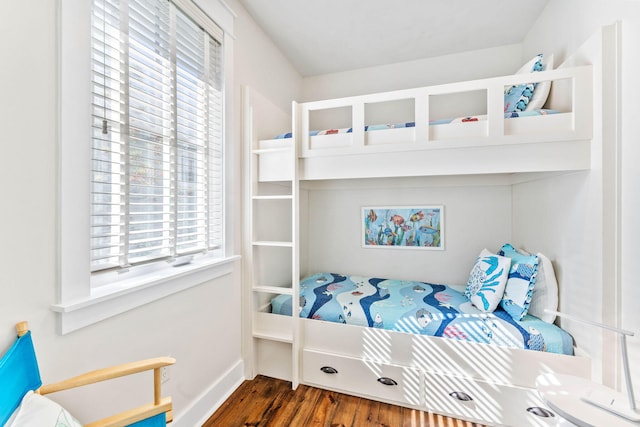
x=159, y=406
x=109, y=373
x=138, y=414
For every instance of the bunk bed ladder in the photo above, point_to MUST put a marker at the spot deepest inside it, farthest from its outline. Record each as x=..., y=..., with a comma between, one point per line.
x=271, y=256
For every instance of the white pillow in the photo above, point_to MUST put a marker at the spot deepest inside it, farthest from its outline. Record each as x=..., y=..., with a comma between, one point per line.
x=541, y=92
x=545, y=293
x=487, y=281
x=36, y=410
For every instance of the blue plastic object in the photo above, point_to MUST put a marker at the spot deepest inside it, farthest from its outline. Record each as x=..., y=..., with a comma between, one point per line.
x=19, y=373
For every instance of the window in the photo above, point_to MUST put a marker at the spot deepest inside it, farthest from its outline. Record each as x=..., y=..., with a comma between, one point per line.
x=155, y=144
x=157, y=135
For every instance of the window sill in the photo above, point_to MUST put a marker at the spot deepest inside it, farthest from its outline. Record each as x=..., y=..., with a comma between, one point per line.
x=110, y=301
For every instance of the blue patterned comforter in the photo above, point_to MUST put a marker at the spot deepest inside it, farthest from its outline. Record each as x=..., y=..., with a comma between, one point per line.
x=418, y=308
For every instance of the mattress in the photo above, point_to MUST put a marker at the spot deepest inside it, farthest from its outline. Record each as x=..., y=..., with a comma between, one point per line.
x=418, y=308
x=467, y=119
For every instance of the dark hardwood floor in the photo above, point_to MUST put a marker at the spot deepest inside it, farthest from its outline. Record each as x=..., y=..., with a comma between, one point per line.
x=267, y=402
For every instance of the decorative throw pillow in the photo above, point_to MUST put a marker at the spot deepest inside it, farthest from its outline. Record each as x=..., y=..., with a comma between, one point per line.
x=36, y=410
x=517, y=97
x=541, y=93
x=520, y=284
x=545, y=292
x=487, y=281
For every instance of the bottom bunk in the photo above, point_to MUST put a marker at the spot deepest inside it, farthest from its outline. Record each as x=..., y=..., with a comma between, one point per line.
x=428, y=347
x=418, y=308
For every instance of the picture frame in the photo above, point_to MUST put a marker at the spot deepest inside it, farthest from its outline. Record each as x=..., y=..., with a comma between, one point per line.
x=403, y=227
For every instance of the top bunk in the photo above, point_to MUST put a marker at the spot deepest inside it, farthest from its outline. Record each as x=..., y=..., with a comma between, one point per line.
x=493, y=131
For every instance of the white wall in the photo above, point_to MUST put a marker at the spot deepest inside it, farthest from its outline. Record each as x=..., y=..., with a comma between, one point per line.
x=498, y=61
x=200, y=327
x=260, y=65
x=567, y=222
x=470, y=65
x=561, y=218
x=477, y=214
x=563, y=26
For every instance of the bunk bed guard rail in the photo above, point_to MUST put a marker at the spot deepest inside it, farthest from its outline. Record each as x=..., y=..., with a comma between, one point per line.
x=577, y=80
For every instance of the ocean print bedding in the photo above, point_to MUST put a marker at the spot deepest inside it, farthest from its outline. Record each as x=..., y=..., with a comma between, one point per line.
x=418, y=308
x=468, y=119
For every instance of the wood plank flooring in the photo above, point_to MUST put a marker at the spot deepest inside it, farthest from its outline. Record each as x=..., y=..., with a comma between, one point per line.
x=268, y=402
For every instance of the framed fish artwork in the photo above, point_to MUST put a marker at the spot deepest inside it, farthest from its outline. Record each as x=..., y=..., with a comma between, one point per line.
x=420, y=227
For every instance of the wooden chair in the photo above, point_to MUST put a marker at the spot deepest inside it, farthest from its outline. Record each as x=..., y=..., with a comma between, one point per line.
x=19, y=375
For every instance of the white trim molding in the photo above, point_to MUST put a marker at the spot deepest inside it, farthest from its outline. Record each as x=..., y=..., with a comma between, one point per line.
x=201, y=408
x=104, y=304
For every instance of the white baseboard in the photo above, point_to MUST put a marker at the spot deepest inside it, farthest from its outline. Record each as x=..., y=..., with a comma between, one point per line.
x=202, y=408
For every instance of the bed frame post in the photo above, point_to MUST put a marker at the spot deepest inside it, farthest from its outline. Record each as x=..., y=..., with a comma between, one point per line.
x=357, y=124
x=495, y=115
x=421, y=119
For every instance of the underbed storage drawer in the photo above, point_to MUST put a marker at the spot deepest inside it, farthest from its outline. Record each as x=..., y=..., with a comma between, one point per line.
x=464, y=398
x=484, y=402
x=364, y=378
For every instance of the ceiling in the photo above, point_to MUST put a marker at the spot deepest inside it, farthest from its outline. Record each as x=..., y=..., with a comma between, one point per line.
x=327, y=36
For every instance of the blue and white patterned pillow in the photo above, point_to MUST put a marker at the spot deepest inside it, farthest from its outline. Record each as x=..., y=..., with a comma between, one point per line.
x=487, y=281
x=522, y=279
x=517, y=97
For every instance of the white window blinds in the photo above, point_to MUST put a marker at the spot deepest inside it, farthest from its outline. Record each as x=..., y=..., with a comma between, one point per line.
x=157, y=135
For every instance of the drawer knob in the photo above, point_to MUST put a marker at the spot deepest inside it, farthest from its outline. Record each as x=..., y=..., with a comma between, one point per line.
x=329, y=370
x=460, y=395
x=541, y=412
x=387, y=381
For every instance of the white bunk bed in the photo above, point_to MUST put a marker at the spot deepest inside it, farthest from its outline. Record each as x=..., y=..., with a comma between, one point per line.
x=551, y=142
x=417, y=371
